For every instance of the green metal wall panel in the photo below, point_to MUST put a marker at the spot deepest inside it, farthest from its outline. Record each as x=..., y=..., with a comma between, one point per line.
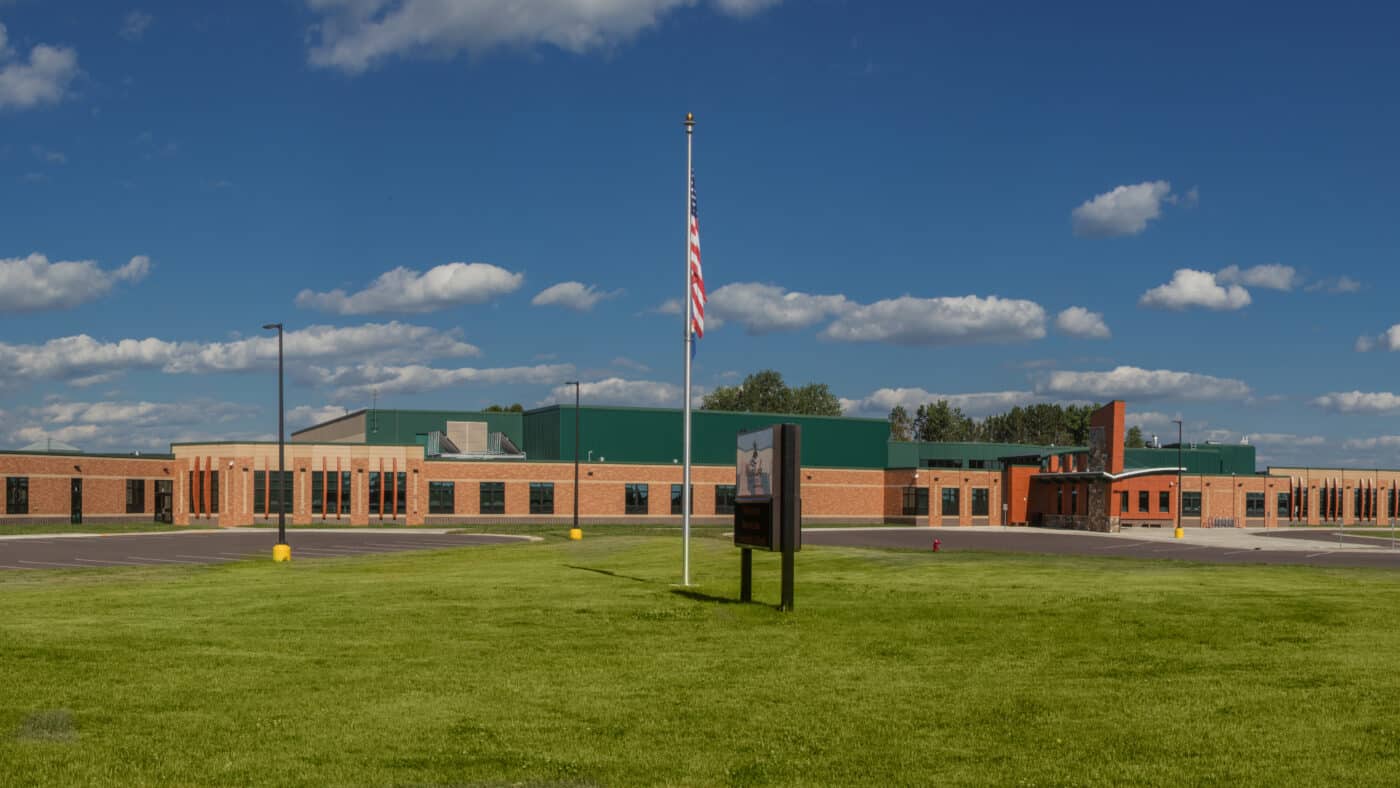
x=1205, y=458
x=643, y=435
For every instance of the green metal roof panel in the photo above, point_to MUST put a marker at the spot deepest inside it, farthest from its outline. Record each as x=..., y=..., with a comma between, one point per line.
x=647, y=435
x=389, y=427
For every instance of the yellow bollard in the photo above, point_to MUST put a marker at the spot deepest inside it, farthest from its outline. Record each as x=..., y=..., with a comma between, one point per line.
x=576, y=534
x=281, y=552
x=1179, y=534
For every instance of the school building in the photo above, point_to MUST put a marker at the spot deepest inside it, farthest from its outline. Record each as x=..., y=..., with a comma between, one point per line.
x=417, y=467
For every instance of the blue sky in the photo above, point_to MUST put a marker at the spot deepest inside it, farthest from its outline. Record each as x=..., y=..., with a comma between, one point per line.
x=999, y=203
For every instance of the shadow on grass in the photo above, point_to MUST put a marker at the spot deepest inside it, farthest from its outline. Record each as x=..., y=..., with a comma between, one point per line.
x=611, y=573
x=696, y=596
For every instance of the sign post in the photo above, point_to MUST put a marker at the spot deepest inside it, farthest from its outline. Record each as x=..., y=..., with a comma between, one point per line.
x=768, y=503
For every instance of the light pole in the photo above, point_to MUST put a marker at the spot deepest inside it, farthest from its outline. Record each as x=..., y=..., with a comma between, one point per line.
x=576, y=533
x=1178, y=533
x=281, y=551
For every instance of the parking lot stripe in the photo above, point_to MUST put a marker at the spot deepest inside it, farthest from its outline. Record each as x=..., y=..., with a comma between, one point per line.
x=106, y=562
x=159, y=560
x=50, y=563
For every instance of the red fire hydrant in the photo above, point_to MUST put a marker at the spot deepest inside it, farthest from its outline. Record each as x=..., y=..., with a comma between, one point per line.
x=937, y=545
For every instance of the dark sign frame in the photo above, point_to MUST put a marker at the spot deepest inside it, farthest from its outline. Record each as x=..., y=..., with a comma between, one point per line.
x=768, y=501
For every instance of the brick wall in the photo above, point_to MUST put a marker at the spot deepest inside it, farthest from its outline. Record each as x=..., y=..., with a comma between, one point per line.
x=103, y=485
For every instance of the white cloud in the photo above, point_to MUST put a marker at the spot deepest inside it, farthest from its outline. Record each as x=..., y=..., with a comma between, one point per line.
x=978, y=404
x=940, y=321
x=1080, y=322
x=1387, y=340
x=309, y=415
x=33, y=284
x=1378, y=442
x=1283, y=439
x=572, y=295
x=1190, y=288
x=1341, y=284
x=762, y=308
x=1271, y=276
x=1359, y=402
x=123, y=426
x=355, y=35
x=1124, y=211
x=42, y=79
x=134, y=25
x=1135, y=384
x=404, y=290
x=632, y=364
x=357, y=382
x=619, y=391
x=671, y=306
x=83, y=359
x=1365, y=344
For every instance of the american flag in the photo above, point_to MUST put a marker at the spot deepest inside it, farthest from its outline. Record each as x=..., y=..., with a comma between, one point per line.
x=697, y=277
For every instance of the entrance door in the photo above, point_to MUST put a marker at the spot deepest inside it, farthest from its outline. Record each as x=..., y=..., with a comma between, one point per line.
x=77, y=516
x=164, y=502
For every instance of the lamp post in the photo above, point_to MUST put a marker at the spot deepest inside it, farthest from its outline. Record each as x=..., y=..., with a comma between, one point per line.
x=281, y=551
x=576, y=533
x=1178, y=533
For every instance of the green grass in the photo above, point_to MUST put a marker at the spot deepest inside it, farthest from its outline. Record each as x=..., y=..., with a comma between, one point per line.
x=16, y=529
x=579, y=663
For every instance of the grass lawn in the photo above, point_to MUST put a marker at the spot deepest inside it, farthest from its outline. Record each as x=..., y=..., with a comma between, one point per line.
x=579, y=663
x=15, y=529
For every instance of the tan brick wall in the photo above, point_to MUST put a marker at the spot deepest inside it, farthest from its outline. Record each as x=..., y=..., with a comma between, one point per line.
x=104, y=484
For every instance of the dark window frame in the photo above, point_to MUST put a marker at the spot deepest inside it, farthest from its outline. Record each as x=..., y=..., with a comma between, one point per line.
x=636, y=498
x=915, y=501
x=985, y=494
x=135, y=496
x=493, y=497
x=1144, y=501
x=1164, y=501
x=676, y=503
x=442, y=498
x=1284, y=507
x=1190, y=504
x=950, y=505
x=724, y=498
x=1255, y=504
x=262, y=492
x=16, y=495
x=541, y=497
x=1123, y=502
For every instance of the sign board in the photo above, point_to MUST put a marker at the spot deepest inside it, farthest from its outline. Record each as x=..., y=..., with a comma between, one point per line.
x=768, y=501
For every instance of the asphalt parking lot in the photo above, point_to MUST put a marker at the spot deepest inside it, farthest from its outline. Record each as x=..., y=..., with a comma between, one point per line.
x=1308, y=548
x=217, y=547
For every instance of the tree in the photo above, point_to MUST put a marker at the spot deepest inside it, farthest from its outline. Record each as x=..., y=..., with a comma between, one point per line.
x=515, y=407
x=942, y=422
x=766, y=392
x=1134, y=440
x=901, y=427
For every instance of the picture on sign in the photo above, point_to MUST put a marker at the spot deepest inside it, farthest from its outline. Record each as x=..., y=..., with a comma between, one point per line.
x=755, y=465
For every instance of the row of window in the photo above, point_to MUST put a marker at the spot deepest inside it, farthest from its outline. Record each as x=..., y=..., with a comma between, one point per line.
x=17, y=495
x=916, y=501
x=442, y=498
x=1164, y=501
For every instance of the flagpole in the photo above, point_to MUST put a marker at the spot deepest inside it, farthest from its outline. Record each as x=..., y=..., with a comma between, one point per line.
x=689, y=307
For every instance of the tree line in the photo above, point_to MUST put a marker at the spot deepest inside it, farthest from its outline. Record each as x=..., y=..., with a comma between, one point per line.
x=1042, y=425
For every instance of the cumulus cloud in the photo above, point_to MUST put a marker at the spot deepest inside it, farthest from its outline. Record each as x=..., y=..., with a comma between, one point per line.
x=310, y=415
x=123, y=426
x=134, y=25
x=572, y=295
x=1080, y=322
x=940, y=321
x=33, y=283
x=1141, y=385
x=1387, y=340
x=1124, y=211
x=358, y=381
x=355, y=35
x=83, y=359
x=43, y=78
x=1190, y=288
x=1365, y=402
x=1271, y=276
x=1341, y=284
x=671, y=306
x=620, y=391
x=1377, y=442
x=978, y=404
x=1283, y=439
x=404, y=290
x=763, y=308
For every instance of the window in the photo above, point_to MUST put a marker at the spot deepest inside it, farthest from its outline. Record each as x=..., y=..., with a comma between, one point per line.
x=1123, y=502
x=942, y=463
x=951, y=502
x=1191, y=504
x=986, y=465
x=1164, y=501
x=334, y=487
x=1074, y=500
x=981, y=501
x=135, y=496
x=1284, y=506
x=1060, y=499
x=1142, y=501
x=676, y=499
x=265, y=500
x=1254, y=504
x=442, y=498
x=724, y=499
x=1356, y=505
x=915, y=501
x=493, y=497
x=17, y=495
x=541, y=498
x=636, y=499
x=374, y=492
x=401, y=494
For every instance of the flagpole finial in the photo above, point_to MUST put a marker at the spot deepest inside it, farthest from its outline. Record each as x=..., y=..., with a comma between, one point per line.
x=689, y=121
